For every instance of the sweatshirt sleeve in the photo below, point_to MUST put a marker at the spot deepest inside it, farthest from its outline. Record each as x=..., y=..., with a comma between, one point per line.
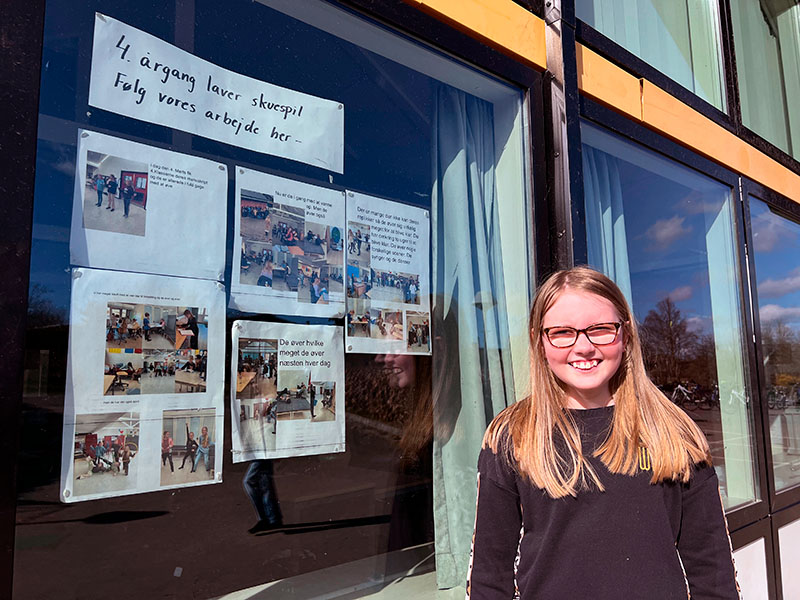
x=703, y=542
x=498, y=520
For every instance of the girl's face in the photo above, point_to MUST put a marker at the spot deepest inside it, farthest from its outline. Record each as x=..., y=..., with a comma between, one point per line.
x=400, y=368
x=584, y=368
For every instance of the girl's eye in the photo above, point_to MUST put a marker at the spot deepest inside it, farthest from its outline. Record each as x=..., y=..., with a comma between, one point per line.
x=561, y=332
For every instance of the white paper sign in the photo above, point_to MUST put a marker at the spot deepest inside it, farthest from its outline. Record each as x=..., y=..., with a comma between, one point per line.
x=141, y=76
x=146, y=356
x=288, y=254
x=143, y=209
x=289, y=394
x=387, y=279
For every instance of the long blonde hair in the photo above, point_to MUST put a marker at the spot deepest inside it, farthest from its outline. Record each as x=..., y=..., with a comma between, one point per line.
x=643, y=417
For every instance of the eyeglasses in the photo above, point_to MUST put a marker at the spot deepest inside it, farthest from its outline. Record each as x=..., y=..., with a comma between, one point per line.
x=599, y=334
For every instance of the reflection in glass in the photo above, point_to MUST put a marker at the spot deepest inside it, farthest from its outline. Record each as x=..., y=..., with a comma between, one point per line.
x=766, y=36
x=665, y=234
x=776, y=248
x=678, y=37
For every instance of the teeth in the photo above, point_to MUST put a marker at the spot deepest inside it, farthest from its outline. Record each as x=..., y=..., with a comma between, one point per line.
x=585, y=365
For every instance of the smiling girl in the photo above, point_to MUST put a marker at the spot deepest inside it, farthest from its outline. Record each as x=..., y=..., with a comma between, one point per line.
x=596, y=486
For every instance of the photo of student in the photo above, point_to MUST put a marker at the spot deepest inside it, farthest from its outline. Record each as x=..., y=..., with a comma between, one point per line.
x=258, y=429
x=386, y=324
x=418, y=338
x=158, y=327
x=106, y=445
x=158, y=371
x=358, y=244
x=195, y=448
x=123, y=326
x=257, y=368
x=256, y=264
x=357, y=319
x=191, y=328
x=359, y=282
x=108, y=179
x=122, y=373
x=334, y=276
x=322, y=398
x=394, y=287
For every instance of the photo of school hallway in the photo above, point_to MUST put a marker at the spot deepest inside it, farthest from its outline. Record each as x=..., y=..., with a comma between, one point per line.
x=97, y=217
x=253, y=384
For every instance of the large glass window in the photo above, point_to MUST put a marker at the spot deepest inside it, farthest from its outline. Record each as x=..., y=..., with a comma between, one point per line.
x=776, y=253
x=678, y=37
x=420, y=129
x=666, y=235
x=766, y=35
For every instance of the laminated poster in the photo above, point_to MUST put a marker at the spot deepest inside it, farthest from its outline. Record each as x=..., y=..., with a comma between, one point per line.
x=288, y=255
x=387, y=279
x=144, y=209
x=289, y=394
x=141, y=76
x=145, y=384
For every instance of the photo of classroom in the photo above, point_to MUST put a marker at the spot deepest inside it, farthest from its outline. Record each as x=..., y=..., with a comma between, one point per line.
x=123, y=326
x=187, y=445
x=190, y=371
x=335, y=279
x=293, y=395
x=254, y=210
x=359, y=282
x=158, y=371
x=257, y=370
x=418, y=331
x=284, y=270
x=288, y=226
x=322, y=397
x=256, y=263
x=258, y=423
x=386, y=324
x=191, y=328
x=105, y=449
x=158, y=327
x=358, y=318
x=122, y=373
x=358, y=245
x=115, y=194
x=394, y=287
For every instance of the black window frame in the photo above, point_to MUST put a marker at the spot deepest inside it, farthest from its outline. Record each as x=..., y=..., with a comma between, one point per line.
x=23, y=26
x=610, y=120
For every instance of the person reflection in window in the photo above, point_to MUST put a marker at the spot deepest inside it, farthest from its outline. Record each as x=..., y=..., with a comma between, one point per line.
x=260, y=488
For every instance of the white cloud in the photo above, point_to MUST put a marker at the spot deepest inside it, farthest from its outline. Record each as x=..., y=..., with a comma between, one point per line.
x=698, y=324
x=665, y=231
x=775, y=288
x=773, y=312
x=770, y=232
x=681, y=293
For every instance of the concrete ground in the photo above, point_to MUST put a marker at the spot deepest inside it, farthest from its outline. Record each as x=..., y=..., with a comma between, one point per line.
x=97, y=217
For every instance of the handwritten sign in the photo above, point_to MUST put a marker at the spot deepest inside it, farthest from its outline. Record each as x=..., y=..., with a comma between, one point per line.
x=141, y=76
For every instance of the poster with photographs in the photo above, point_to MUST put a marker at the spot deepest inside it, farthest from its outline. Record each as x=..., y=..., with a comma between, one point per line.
x=148, y=210
x=387, y=280
x=289, y=394
x=145, y=384
x=288, y=254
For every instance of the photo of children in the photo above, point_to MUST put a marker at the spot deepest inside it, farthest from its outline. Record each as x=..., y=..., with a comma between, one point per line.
x=386, y=324
x=122, y=373
x=115, y=194
x=394, y=287
x=106, y=445
x=256, y=264
x=312, y=284
x=158, y=371
x=258, y=423
x=322, y=398
x=256, y=221
x=190, y=371
x=358, y=245
x=257, y=391
x=158, y=327
x=293, y=395
x=123, y=326
x=335, y=275
x=358, y=319
x=191, y=328
x=418, y=332
x=188, y=436
x=359, y=282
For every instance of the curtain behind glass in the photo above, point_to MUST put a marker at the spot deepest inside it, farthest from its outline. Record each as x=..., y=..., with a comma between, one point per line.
x=473, y=376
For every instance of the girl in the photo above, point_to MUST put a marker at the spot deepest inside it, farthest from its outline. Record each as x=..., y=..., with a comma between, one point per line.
x=596, y=486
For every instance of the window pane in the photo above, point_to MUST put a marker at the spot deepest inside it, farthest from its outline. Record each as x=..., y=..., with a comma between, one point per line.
x=665, y=234
x=678, y=37
x=421, y=129
x=766, y=35
x=776, y=254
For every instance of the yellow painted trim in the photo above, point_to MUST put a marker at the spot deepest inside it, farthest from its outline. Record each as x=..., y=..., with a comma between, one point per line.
x=658, y=110
x=607, y=83
x=502, y=24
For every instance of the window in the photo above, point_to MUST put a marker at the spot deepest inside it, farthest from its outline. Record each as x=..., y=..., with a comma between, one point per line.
x=665, y=234
x=766, y=36
x=776, y=248
x=421, y=129
x=680, y=38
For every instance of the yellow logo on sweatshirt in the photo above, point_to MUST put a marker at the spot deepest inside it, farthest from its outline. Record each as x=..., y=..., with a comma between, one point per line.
x=645, y=464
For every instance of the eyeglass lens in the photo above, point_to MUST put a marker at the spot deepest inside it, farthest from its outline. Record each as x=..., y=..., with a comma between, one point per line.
x=601, y=334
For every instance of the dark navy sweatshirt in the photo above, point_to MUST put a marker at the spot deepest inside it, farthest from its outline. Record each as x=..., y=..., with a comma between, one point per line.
x=635, y=540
